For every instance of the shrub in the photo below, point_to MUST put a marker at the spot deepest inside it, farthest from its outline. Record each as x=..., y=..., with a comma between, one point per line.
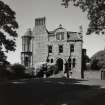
x=18, y=70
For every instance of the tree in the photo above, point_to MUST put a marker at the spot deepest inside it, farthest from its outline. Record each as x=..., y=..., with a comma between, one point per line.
x=8, y=34
x=85, y=60
x=95, y=13
x=94, y=64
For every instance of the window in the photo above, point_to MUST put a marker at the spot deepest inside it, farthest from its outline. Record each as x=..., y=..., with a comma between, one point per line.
x=49, y=49
x=26, y=61
x=62, y=35
x=68, y=35
x=72, y=48
x=51, y=60
x=58, y=36
x=73, y=62
x=60, y=48
x=69, y=63
x=47, y=60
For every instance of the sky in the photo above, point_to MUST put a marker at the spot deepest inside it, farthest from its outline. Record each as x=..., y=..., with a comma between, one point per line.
x=70, y=18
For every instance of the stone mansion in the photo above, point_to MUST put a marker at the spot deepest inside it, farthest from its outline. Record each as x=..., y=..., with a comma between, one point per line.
x=59, y=46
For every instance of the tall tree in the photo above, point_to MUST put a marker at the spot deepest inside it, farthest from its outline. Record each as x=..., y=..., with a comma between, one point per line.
x=95, y=13
x=8, y=27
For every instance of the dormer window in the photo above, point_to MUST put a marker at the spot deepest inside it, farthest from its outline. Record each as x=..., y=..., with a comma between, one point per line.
x=60, y=35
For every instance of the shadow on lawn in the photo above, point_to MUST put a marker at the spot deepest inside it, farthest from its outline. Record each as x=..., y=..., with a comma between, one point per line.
x=51, y=92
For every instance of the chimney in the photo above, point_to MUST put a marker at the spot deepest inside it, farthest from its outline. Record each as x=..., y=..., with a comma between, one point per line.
x=40, y=21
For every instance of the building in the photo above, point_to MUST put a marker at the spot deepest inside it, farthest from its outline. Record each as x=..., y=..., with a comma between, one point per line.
x=61, y=47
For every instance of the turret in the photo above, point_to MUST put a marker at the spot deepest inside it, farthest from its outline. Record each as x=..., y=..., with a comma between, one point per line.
x=26, y=54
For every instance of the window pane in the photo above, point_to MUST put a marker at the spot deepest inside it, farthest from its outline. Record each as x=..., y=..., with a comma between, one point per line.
x=58, y=36
x=72, y=48
x=51, y=60
x=50, y=49
x=73, y=62
x=60, y=48
x=62, y=35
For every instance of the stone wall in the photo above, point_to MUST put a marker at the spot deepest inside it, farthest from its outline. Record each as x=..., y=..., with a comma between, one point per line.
x=40, y=35
x=92, y=75
x=40, y=47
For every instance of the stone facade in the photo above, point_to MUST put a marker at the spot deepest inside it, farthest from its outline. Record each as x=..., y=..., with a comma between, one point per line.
x=59, y=46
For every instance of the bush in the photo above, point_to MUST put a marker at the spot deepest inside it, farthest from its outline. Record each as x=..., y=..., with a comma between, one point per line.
x=50, y=70
x=18, y=70
x=98, y=60
x=94, y=64
x=4, y=73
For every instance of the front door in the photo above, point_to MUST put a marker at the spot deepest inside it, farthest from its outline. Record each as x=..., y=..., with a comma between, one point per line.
x=59, y=64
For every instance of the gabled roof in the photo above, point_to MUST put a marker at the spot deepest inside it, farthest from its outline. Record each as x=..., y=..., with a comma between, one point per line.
x=71, y=36
x=52, y=33
x=60, y=27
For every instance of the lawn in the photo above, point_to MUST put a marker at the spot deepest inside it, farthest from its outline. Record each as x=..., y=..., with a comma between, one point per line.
x=51, y=92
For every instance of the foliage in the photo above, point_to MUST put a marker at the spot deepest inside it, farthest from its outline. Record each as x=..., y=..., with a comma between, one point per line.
x=51, y=70
x=98, y=60
x=94, y=64
x=8, y=34
x=95, y=13
x=48, y=71
x=85, y=60
x=4, y=72
x=19, y=70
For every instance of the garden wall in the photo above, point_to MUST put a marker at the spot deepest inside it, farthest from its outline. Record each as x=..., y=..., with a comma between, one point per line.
x=92, y=75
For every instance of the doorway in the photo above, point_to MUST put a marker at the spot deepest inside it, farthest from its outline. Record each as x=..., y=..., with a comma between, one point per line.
x=59, y=64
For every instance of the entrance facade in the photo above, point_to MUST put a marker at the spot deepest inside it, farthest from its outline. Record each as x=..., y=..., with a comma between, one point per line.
x=59, y=64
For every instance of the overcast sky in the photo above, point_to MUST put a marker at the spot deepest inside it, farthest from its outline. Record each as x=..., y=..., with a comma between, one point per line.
x=70, y=18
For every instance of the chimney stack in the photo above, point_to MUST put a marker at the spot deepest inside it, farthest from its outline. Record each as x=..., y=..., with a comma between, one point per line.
x=40, y=21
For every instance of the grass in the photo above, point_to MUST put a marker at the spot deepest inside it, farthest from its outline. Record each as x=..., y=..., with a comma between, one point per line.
x=51, y=92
